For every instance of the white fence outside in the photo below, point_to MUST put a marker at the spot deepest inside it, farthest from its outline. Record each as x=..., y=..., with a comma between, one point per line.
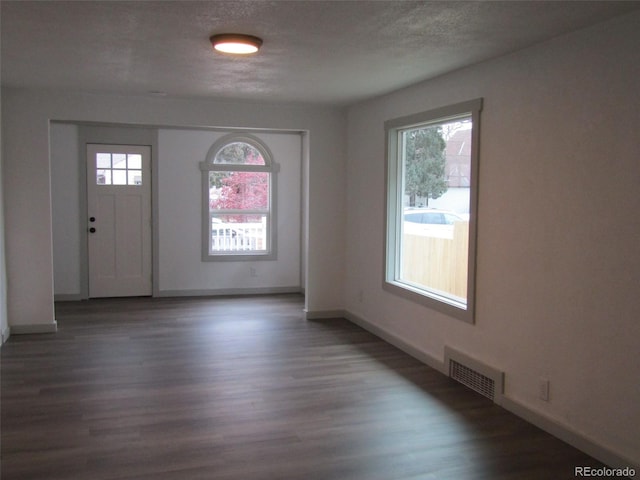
x=236, y=237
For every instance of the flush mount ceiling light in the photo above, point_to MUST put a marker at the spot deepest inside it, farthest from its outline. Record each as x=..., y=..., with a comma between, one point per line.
x=235, y=43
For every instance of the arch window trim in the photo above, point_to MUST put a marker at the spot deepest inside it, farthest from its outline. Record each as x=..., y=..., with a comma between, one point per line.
x=229, y=241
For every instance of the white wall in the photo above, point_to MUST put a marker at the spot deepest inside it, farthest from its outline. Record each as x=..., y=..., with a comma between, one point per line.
x=28, y=227
x=27, y=196
x=181, y=270
x=558, y=228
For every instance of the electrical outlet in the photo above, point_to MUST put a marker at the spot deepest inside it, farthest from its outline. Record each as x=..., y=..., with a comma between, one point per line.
x=360, y=296
x=253, y=272
x=544, y=389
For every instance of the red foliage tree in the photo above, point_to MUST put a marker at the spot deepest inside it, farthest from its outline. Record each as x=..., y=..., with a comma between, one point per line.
x=239, y=190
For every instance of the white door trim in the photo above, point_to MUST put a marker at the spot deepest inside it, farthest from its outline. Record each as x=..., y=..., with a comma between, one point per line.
x=118, y=221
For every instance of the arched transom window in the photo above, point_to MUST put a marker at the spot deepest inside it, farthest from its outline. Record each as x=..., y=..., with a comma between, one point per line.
x=238, y=180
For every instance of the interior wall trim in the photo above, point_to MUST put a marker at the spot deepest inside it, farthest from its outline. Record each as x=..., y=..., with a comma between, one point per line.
x=6, y=333
x=229, y=291
x=398, y=342
x=34, y=328
x=323, y=314
x=68, y=297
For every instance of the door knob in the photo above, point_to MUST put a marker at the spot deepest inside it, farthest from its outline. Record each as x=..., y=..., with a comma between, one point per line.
x=92, y=230
x=92, y=219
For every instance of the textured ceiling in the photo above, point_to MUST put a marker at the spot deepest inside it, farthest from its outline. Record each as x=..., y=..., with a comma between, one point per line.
x=328, y=52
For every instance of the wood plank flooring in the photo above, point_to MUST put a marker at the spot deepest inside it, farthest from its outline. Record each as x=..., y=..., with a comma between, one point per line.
x=246, y=389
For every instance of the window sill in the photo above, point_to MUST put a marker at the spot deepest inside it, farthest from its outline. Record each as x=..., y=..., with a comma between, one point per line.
x=435, y=302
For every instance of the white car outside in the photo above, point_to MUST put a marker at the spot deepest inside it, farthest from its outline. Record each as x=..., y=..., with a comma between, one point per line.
x=430, y=222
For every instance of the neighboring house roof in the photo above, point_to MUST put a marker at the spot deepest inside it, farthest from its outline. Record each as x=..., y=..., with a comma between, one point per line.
x=458, y=163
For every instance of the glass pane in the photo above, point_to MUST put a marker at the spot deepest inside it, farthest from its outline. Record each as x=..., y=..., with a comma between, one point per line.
x=119, y=160
x=134, y=177
x=134, y=161
x=103, y=160
x=239, y=153
x=119, y=177
x=238, y=232
x=239, y=190
x=103, y=177
x=436, y=164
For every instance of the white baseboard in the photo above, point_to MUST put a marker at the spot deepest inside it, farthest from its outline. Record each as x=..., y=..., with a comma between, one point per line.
x=68, y=297
x=551, y=426
x=379, y=332
x=228, y=292
x=569, y=435
x=4, y=336
x=323, y=314
x=34, y=328
x=397, y=342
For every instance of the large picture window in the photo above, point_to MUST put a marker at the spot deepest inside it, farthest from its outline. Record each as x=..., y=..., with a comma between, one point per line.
x=432, y=165
x=238, y=207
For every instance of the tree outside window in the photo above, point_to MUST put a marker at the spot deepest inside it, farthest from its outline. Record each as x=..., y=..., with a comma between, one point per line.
x=430, y=252
x=425, y=164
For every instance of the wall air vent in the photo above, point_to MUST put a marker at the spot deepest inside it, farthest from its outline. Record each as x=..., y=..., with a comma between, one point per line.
x=479, y=377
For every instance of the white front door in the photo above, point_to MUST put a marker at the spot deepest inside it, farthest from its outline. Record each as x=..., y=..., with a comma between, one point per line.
x=119, y=220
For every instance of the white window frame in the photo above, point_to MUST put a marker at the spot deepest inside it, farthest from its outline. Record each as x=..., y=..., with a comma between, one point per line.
x=270, y=167
x=395, y=207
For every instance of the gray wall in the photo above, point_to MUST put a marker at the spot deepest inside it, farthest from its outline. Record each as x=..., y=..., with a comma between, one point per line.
x=4, y=323
x=65, y=210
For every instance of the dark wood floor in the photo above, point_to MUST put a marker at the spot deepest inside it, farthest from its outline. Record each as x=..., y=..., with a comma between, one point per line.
x=245, y=389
